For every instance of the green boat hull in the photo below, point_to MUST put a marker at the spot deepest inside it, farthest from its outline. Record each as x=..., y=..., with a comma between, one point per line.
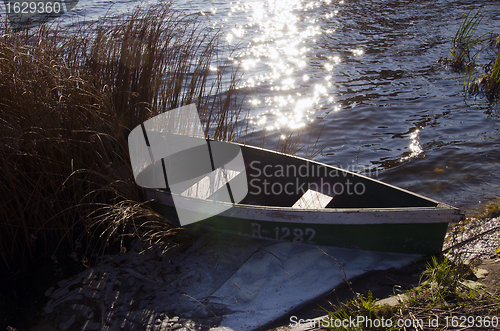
x=407, y=238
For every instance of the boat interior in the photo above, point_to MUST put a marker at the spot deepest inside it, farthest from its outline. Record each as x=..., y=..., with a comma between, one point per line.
x=275, y=179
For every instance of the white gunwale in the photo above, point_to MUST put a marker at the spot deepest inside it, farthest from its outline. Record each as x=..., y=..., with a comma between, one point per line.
x=353, y=216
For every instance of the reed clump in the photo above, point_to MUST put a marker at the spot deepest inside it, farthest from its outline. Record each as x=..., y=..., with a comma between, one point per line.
x=68, y=97
x=488, y=83
x=464, y=42
x=465, y=49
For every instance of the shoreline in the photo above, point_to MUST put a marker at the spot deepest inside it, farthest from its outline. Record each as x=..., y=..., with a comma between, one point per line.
x=380, y=283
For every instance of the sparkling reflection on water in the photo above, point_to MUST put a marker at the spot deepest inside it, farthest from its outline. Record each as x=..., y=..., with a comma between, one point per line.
x=279, y=36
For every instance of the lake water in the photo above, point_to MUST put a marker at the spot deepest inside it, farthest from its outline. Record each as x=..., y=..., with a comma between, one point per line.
x=367, y=70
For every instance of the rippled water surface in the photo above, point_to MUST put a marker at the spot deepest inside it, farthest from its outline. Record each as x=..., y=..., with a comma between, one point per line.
x=367, y=71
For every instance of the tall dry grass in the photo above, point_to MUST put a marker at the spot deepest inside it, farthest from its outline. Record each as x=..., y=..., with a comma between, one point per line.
x=68, y=99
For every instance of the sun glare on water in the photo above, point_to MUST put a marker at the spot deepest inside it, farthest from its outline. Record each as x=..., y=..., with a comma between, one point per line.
x=277, y=60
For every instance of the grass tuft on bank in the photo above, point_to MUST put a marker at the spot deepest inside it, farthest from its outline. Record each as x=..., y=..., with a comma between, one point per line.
x=446, y=298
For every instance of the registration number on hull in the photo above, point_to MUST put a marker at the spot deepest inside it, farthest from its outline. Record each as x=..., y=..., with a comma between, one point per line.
x=284, y=233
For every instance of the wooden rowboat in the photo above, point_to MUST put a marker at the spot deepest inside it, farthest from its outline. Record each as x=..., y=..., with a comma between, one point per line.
x=294, y=199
